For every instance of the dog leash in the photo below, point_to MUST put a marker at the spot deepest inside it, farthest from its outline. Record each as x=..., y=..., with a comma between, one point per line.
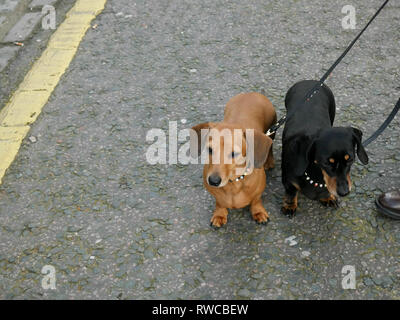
x=384, y=125
x=375, y=135
x=320, y=83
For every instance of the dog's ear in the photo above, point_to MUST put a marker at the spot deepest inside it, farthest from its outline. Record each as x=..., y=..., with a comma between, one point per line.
x=303, y=148
x=357, y=138
x=197, y=135
x=262, y=146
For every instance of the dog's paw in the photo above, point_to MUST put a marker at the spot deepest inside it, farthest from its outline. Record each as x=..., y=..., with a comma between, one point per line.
x=218, y=221
x=261, y=217
x=332, y=202
x=289, y=210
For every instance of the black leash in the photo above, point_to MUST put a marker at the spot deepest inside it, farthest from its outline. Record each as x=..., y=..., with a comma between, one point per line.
x=384, y=125
x=320, y=83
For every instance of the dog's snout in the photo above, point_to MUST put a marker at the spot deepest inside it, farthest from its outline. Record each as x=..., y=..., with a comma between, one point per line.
x=214, y=180
x=343, y=193
x=343, y=189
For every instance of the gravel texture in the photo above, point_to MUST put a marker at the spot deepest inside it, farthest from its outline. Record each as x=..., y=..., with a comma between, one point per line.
x=81, y=197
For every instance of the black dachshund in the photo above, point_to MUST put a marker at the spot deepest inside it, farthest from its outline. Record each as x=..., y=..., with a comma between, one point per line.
x=316, y=157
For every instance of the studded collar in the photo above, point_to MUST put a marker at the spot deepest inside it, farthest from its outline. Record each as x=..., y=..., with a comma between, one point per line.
x=246, y=173
x=315, y=184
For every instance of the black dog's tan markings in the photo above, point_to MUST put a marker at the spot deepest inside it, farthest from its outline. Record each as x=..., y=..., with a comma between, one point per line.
x=290, y=204
x=311, y=144
x=332, y=201
x=330, y=182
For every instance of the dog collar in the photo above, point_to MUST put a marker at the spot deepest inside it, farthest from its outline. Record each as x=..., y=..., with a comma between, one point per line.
x=246, y=172
x=240, y=178
x=314, y=183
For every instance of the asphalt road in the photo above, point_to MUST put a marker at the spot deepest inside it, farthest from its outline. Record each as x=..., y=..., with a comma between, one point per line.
x=83, y=198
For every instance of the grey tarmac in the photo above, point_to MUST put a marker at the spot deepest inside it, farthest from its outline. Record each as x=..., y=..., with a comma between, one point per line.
x=81, y=197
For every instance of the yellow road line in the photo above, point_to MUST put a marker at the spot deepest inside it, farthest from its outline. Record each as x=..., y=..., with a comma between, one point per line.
x=33, y=93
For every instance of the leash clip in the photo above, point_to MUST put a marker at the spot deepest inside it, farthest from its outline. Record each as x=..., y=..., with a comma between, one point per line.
x=269, y=133
x=275, y=127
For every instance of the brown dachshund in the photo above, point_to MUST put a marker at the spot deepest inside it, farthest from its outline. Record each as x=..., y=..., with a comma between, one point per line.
x=227, y=174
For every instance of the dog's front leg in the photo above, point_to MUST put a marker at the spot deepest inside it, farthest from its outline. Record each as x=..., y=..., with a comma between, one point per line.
x=332, y=201
x=220, y=216
x=258, y=211
x=290, y=200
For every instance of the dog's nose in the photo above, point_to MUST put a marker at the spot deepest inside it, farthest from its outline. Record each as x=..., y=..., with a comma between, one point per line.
x=214, y=180
x=343, y=190
x=343, y=193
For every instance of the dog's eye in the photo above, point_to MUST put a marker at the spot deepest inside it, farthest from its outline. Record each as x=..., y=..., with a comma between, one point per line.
x=331, y=165
x=209, y=150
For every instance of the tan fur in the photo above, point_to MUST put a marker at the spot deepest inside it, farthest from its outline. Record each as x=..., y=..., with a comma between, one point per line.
x=290, y=204
x=330, y=183
x=244, y=111
x=328, y=200
x=349, y=181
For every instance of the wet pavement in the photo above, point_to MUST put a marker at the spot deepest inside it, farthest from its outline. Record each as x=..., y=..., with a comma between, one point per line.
x=81, y=196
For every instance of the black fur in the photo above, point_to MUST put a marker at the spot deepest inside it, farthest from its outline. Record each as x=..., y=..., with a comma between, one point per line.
x=309, y=141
